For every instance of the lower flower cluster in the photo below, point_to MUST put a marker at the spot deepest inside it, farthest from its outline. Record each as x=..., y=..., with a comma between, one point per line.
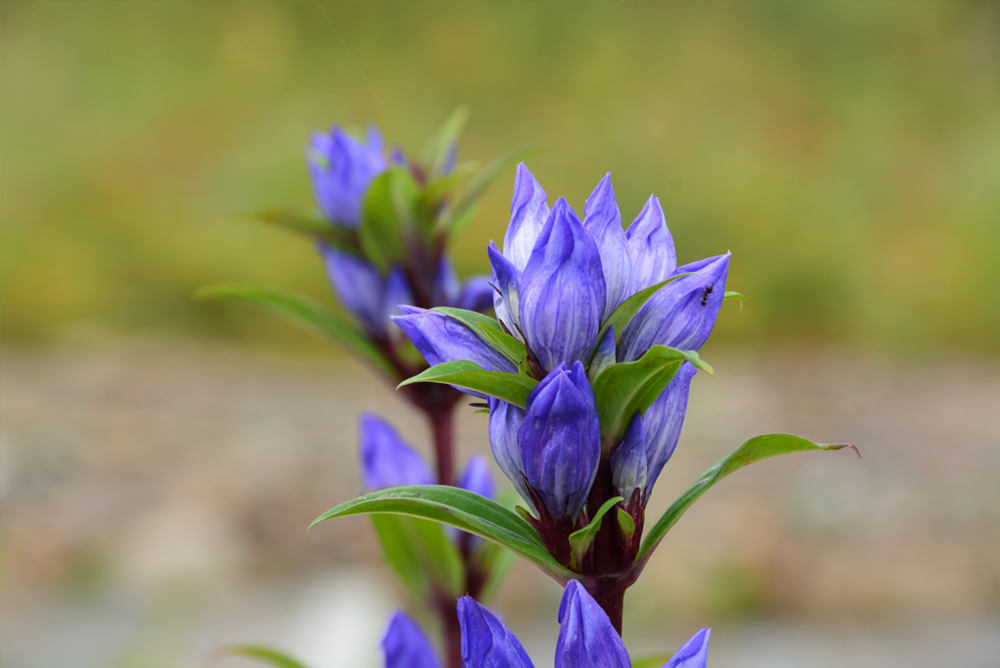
x=586, y=639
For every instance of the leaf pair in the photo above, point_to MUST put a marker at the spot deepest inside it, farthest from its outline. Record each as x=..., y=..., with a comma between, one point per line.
x=493, y=522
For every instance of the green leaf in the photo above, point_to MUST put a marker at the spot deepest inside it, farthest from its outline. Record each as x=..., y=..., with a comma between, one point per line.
x=391, y=214
x=626, y=524
x=510, y=387
x=311, y=225
x=756, y=449
x=496, y=561
x=305, y=313
x=435, y=149
x=623, y=315
x=468, y=318
x=581, y=539
x=262, y=654
x=630, y=387
x=415, y=549
x=461, y=509
x=504, y=343
x=734, y=295
x=461, y=212
x=652, y=661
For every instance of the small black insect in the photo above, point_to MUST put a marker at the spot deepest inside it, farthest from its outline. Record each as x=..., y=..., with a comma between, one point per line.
x=704, y=298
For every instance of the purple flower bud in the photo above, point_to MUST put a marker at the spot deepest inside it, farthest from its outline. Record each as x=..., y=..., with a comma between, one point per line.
x=560, y=440
x=562, y=293
x=360, y=288
x=682, y=314
x=603, y=223
x=628, y=461
x=507, y=279
x=386, y=460
x=405, y=645
x=528, y=213
x=486, y=642
x=476, y=478
x=476, y=294
x=342, y=168
x=650, y=247
x=441, y=338
x=586, y=637
x=693, y=653
x=505, y=423
x=397, y=291
x=663, y=420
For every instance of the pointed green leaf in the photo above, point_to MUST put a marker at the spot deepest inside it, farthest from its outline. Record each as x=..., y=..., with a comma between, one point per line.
x=626, y=524
x=391, y=214
x=623, y=315
x=468, y=318
x=630, y=387
x=510, y=387
x=461, y=211
x=311, y=225
x=263, y=654
x=306, y=313
x=581, y=539
x=503, y=342
x=461, y=509
x=754, y=450
x=435, y=150
x=416, y=549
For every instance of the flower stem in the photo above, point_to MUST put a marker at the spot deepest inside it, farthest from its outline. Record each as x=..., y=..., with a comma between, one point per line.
x=442, y=428
x=610, y=595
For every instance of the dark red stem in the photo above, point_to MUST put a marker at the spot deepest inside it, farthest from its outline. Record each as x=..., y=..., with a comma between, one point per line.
x=610, y=595
x=442, y=428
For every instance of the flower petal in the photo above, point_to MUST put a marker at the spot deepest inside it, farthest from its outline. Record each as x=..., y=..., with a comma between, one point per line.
x=682, y=314
x=628, y=460
x=359, y=286
x=663, y=421
x=486, y=642
x=397, y=291
x=342, y=168
x=387, y=460
x=528, y=213
x=507, y=280
x=603, y=222
x=560, y=440
x=562, y=294
x=650, y=247
x=476, y=294
x=405, y=645
x=586, y=637
x=441, y=338
x=505, y=422
x=693, y=653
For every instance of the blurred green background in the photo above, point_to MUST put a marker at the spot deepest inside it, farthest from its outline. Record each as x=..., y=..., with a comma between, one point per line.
x=847, y=153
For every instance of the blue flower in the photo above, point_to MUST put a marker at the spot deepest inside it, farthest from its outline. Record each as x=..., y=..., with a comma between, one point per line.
x=559, y=279
x=342, y=167
x=441, y=338
x=387, y=460
x=366, y=294
x=586, y=638
x=404, y=645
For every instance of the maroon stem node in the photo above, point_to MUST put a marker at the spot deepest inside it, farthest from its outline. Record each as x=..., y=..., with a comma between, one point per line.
x=610, y=595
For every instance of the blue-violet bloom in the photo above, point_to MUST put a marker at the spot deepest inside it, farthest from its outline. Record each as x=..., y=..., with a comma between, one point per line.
x=586, y=638
x=404, y=645
x=342, y=168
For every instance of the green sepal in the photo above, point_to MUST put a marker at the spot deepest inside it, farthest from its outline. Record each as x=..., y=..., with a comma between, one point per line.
x=623, y=315
x=734, y=295
x=581, y=539
x=629, y=387
x=305, y=313
x=266, y=655
x=312, y=225
x=510, y=387
x=753, y=450
x=626, y=524
x=390, y=214
x=463, y=510
x=503, y=343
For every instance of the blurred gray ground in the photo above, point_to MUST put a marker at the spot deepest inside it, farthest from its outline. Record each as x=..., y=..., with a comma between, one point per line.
x=155, y=497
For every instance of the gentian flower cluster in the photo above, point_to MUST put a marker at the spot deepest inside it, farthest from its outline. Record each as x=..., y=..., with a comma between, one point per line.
x=561, y=285
x=586, y=639
x=343, y=168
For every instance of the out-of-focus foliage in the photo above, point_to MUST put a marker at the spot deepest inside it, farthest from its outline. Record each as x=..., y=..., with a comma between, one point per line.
x=847, y=153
